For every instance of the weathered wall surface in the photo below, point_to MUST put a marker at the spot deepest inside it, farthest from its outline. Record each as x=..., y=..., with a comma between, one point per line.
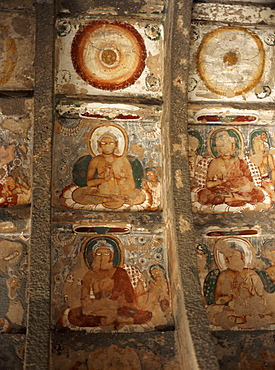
x=99, y=269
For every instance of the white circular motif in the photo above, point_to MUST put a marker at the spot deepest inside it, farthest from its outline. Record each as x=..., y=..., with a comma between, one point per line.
x=231, y=61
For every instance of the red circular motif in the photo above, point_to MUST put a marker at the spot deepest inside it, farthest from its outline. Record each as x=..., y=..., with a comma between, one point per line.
x=108, y=55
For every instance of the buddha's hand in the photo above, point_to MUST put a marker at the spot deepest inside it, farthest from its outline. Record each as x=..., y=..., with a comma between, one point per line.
x=109, y=174
x=224, y=299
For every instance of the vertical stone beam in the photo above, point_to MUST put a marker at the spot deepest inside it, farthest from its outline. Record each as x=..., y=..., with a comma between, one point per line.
x=38, y=332
x=194, y=337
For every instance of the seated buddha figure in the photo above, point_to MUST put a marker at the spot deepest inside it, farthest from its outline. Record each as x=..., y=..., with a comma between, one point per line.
x=229, y=180
x=110, y=179
x=107, y=295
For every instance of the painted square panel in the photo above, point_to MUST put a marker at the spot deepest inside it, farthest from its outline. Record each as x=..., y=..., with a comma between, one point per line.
x=16, y=125
x=232, y=63
x=13, y=280
x=99, y=57
x=236, y=272
x=136, y=354
x=17, y=48
x=107, y=277
x=232, y=168
x=107, y=157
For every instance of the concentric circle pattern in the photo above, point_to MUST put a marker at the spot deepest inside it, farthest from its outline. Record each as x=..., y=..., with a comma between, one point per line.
x=109, y=56
x=231, y=61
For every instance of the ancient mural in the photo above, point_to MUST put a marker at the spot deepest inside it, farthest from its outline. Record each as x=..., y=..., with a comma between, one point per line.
x=100, y=57
x=236, y=272
x=107, y=278
x=13, y=280
x=16, y=125
x=15, y=158
x=231, y=160
x=16, y=142
x=17, y=51
x=107, y=164
x=243, y=60
x=16, y=73
x=109, y=244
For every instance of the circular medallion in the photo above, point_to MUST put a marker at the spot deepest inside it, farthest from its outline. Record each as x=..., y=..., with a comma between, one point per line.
x=231, y=60
x=109, y=56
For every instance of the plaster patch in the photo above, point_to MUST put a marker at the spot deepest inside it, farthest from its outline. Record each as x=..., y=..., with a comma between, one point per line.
x=18, y=126
x=7, y=227
x=179, y=82
x=69, y=88
x=230, y=93
x=183, y=62
x=182, y=146
x=138, y=150
x=258, y=89
x=184, y=224
x=153, y=63
x=178, y=178
x=180, y=22
x=16, y=312
x=185, y=31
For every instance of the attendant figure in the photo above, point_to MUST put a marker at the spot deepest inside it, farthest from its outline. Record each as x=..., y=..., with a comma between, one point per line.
x=153, y=188
x=268, y=256
x=194, y=152
x=259, y=155
x=158, y=296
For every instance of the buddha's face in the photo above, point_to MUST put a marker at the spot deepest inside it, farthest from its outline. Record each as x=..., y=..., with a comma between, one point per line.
x=157, y=273
x=107, y=145
x=235, y=260
x=151, y=175
x=224, y=143
x=103, y=258
x=259, y=144
x=264, y=136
